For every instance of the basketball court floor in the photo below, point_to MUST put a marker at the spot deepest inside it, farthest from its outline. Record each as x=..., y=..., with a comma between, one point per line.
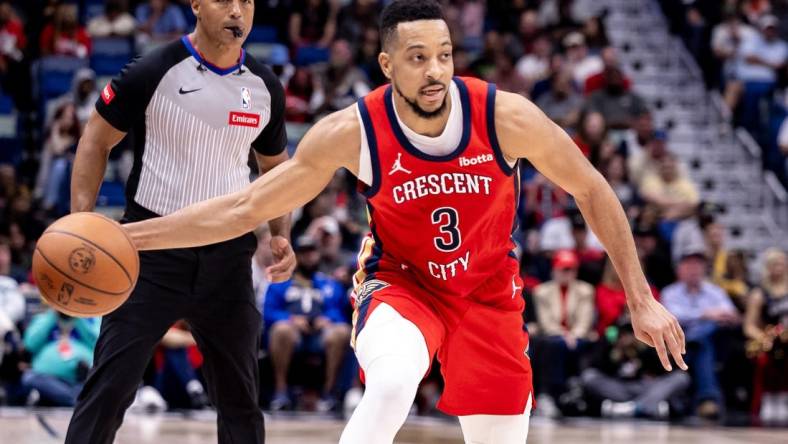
x=22, y=426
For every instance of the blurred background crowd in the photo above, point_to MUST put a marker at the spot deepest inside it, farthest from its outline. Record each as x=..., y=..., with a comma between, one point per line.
x=55, y=55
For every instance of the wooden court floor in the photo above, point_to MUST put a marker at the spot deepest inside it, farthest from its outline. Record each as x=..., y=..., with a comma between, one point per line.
x=21, y=426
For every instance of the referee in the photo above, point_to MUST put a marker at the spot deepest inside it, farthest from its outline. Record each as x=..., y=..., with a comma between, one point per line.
x=194, y=107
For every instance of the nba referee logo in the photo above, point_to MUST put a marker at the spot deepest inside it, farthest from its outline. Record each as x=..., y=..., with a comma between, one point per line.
x=246, y=98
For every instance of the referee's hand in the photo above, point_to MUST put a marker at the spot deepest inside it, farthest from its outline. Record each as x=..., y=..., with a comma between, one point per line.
x=284, y=258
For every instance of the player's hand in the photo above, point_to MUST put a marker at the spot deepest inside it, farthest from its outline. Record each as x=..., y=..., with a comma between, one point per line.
x=284, y=260
x=655, y=326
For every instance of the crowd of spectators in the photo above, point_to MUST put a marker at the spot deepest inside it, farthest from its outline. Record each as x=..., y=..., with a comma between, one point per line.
x=742, y=50
x=554, y=52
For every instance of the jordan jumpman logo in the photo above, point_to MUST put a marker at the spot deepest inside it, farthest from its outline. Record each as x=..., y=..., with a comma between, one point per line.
x=398, y=166
x=515, y=288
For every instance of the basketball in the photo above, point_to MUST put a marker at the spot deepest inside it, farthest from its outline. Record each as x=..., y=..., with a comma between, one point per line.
x=85, y=265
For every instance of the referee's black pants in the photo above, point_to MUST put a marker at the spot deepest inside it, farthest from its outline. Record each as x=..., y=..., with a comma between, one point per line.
x=211, y=288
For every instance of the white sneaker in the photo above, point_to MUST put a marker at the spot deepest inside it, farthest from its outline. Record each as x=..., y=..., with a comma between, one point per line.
x=148, y=400
x=611, y=409
x=769, y=407
x=545, y=406
x=352, y=399
x=781, y=405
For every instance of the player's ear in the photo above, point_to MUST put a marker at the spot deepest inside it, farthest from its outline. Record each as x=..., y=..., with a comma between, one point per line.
x=385, y=64
x=196, y=8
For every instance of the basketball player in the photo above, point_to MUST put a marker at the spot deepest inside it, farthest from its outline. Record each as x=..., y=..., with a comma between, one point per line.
x=437, y=157
x=194, y=108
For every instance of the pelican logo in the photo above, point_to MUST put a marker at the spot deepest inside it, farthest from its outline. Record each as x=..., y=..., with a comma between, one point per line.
x=367, y=288
x=81, y=260
x=65, y=293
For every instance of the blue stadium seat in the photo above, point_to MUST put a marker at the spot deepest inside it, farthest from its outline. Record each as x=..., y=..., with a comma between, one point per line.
x=10, y=143
x=263, y=34
x=308, y=55
x=90, y=9
x=110, y=55
x=55, y=74
x=111, y=194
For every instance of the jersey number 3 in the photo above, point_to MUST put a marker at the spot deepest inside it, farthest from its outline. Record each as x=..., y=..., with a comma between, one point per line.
x=447, y=220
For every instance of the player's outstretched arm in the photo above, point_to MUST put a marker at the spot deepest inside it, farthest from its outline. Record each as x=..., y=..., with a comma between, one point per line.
x=330, y=144
x=525, y=132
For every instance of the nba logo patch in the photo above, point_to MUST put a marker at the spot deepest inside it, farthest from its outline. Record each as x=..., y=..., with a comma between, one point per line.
x=246, y=98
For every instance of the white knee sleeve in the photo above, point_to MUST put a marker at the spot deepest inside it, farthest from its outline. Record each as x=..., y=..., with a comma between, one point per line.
x=496, y=429
x=393, y=354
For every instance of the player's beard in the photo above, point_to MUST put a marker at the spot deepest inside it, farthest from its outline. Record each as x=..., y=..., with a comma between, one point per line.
x=421, y=112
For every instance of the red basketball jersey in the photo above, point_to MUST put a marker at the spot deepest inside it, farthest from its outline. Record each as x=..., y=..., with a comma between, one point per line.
x=444, y=222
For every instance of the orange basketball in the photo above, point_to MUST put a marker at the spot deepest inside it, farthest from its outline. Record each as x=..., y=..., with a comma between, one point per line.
x=85, y=265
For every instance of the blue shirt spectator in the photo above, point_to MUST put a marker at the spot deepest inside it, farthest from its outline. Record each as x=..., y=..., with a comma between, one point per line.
x=160, y=19
x=690, y=305
x=319, y=296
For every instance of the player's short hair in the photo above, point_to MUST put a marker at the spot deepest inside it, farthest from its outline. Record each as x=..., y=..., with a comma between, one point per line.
x=400, y=11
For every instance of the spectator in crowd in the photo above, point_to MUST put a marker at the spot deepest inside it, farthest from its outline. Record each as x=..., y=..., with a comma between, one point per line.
x=298, y=93
x=589, y=250
x=611, y=300
x=781, y=168
x=582, y=64
x=714, y=238
x=701, y=307
x=12, y=44
x=355, y=18
x=62, y=350
x=591, y=136
x=367, y=57
x=628, y=379
x=544, y=200
x=12, y=302
x=614, y=101
x=562, y=103
x=159, y=21
x=466, y=22
x=177, y=359
x=62, y=137
x=674, y=194
x=766, y=327
x=505, y=77
x=597, y=81
x=754, y=10
x=763, y=56
x=8, y=270
x=325, y=230
x=313, y=23
x=65, y=36
x=115, y=21
x=733, y=279
x=306, y=314
x=565, y=316
x=83, y=96
x=535, y=65
x=654, y=254
x=595, y=34
x=338, y=83
x=614, y=169
x=727, y=40
x=644, y=162
x=637, y=138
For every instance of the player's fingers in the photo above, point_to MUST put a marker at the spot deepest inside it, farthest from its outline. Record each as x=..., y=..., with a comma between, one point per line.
x=679, y=332
x=659, y=344
x=675, y=349
x=644, y=337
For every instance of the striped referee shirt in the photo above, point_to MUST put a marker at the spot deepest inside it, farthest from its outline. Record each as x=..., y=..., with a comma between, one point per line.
x=192, y=124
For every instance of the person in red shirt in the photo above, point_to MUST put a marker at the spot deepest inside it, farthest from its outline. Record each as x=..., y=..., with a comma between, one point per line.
x=611, y=300
x=64, y=36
